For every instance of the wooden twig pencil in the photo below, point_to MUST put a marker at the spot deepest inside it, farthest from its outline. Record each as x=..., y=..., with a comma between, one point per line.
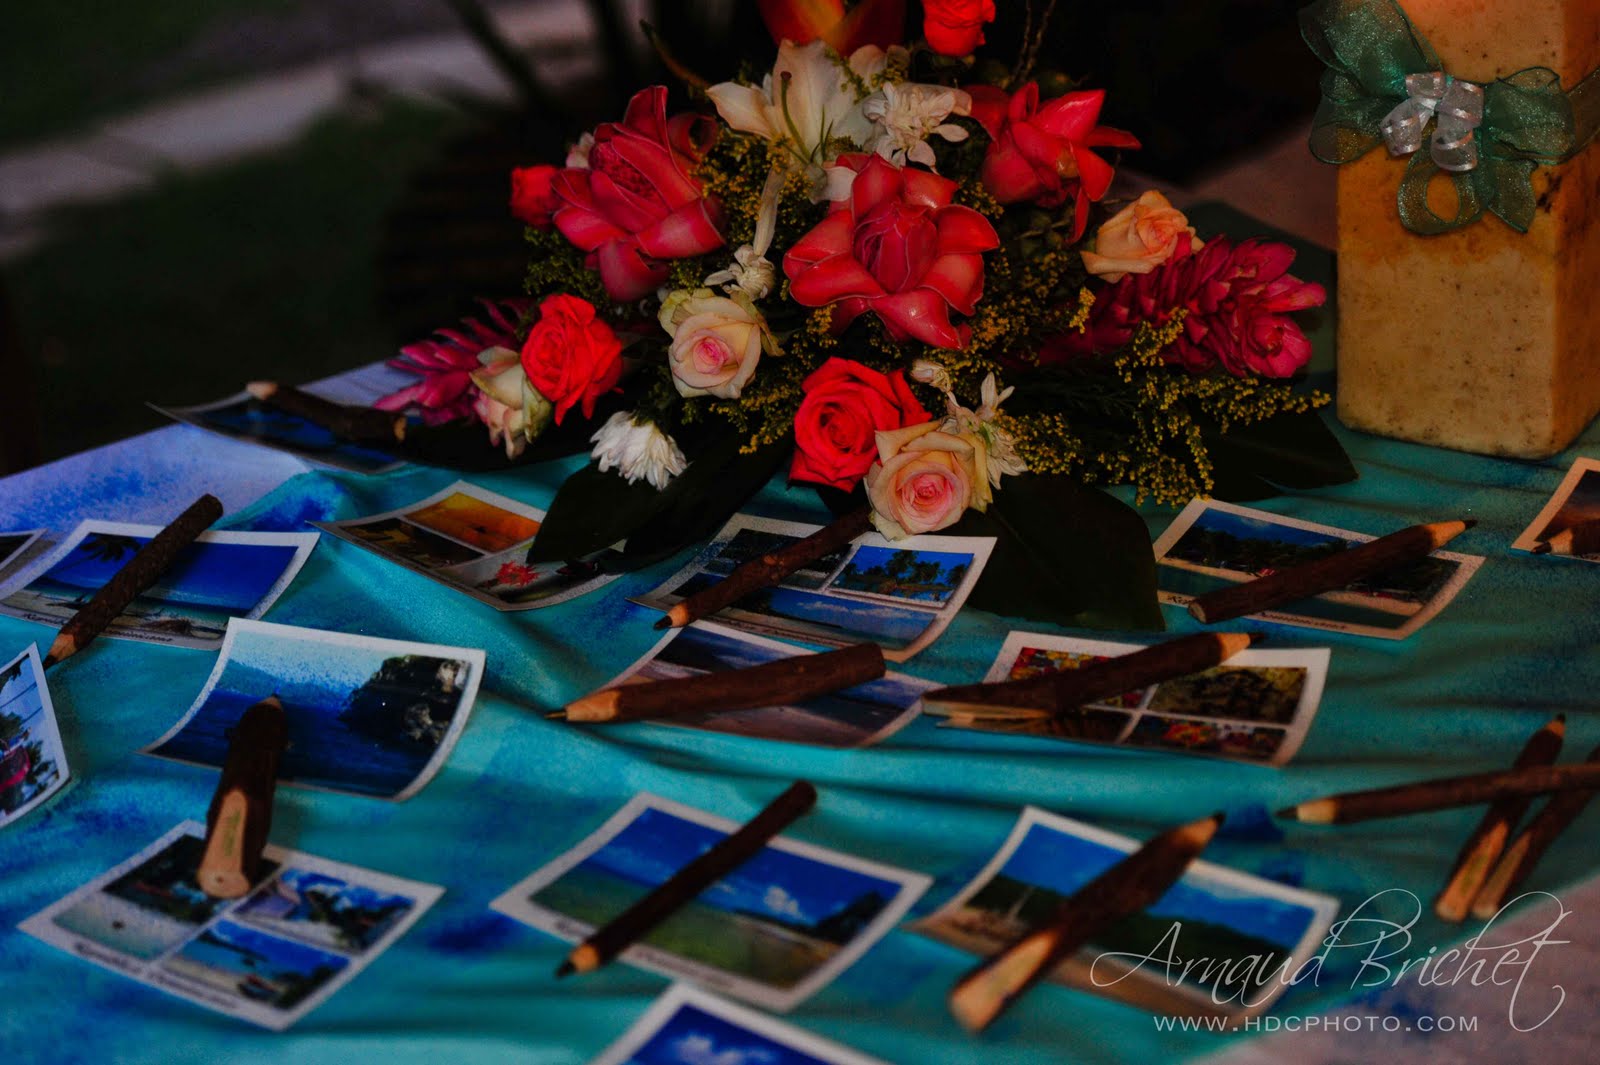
x=1525, y=851
x=725, y=856
x=240, y=816
x=1488, y=840
x=362, y=425
x=768, y=569
x=1442, y=793
x=1124, y=889
x=1067, y=689
x=777, y=683
x=1325, y=574
x=1580, y=539
x=140, y=572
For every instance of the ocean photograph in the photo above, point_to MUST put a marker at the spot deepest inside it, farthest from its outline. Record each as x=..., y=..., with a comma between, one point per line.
x=775, y=920
x=808, y=616
x=930, y=577
x=692, y=1036
x=722, y=557
x=363, y=716
x=1217, y=919
x=851, y=717
x=323, y=910
x=210, y=583
x=242, y=963
x=250, y=419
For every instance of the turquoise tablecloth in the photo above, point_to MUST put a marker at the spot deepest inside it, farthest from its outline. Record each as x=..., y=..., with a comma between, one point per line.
x=467, y=985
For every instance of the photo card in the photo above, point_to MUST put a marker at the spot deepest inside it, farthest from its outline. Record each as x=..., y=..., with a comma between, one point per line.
x=15, y=545
x=1255, y=707
x=366, y=716
x=33, y=764
x=1216, y=944
x=1576, y=500
x=303, y=931
x=859, y=716
x=899, y=595
x=1211, y=545
x=688, y=1026
x=243, y=417
x=476, y=542
x=219, y=577
x=773, y=932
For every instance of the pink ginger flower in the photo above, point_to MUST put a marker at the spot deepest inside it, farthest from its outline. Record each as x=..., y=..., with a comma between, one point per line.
x=447, y=360
x=1237, y=298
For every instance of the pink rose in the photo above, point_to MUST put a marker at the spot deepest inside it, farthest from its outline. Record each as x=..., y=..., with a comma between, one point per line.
x=896, y=246
x=636, y=205
x=1138, y=238
x=925, y=480
x=1041, y=152
x=716, y=342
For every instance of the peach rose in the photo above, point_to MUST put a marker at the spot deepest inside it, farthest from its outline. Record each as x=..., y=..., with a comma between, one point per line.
x=926, y=479
x=1138, y=238
x=716, y=342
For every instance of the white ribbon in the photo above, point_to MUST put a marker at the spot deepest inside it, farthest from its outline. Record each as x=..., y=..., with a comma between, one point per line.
x=1458, y=106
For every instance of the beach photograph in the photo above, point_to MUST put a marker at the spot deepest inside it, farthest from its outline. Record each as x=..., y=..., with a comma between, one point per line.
x=147, y=910
x=365, y=716
x=727, y=553
x=218, y=577
x=324, y=910
x=476, y=542
x=243, y=417
x=774, y=930
x=903, y=575
x=1211, y=546
x=254, y=967
x=1574, y=502
x=690, y=1027
x=1221, y=917
x=851, y=717
x=33, y=765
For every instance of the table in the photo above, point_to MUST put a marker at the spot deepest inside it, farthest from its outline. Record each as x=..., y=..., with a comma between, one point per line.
x=467, y=985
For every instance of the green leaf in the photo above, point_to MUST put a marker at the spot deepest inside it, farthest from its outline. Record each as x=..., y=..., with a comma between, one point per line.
x=1065, y=553
x=594, y=510
x=1295, y=451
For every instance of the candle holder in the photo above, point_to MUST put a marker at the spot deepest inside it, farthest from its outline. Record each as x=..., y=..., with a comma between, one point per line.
x=1469, y=242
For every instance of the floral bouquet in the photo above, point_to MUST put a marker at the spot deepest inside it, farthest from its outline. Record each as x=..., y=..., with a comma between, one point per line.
x=895, y=271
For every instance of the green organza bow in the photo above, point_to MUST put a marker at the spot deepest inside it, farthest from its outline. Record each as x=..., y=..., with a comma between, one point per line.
x=1370, y=46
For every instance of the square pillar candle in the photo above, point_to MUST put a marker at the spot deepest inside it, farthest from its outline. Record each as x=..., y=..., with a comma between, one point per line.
x=1483, y=338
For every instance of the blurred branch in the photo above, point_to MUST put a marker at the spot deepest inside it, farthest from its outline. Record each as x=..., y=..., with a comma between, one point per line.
x=505, y=56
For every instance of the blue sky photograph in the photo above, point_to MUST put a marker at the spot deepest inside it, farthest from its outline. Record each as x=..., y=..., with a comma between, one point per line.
x=774, y=883
x=301, y=663
x=236, y=948
x=223, y=576
x=1064, y=863
x=691, y=1036
x=1256, y=529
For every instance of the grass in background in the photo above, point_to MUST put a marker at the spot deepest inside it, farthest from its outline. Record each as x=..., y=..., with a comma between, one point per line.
x=263, y=269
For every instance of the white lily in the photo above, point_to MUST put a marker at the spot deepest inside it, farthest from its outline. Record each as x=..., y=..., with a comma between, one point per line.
x=906, y=115
x=811, y=99
x=751, y=272
x=1001, y=458
x=637, y=449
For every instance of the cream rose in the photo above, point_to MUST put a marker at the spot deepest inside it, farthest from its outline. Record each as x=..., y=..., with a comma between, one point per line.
x=1138, y=238
x=925, y=480
x=716, y=341
x=512, y=409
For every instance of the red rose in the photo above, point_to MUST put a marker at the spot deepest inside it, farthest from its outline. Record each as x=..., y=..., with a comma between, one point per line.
x=636, y=205
x=955, y=27
x=897, y=246
x=835, y=429
x=570, y=355
x=533, y=194
x=1041, y=152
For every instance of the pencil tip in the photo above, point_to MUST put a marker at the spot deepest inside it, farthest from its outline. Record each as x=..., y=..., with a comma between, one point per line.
x=1258, y=636
x=49, y=660
x=566, y=968
x=1289, y=813
x=663, y=622
x=262, y=389
x=1542, y=547
x=1469, y=522
x=556, y=715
